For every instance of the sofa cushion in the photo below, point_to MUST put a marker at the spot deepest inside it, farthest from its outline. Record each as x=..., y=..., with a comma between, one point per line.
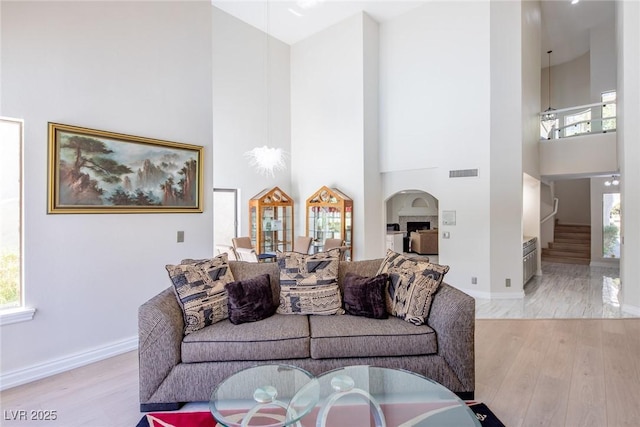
x=412, y=285
x=199, y=288
x=250, y=300
x=365, y=296
x=309, y=283
x=356, y=336
x=274, y=338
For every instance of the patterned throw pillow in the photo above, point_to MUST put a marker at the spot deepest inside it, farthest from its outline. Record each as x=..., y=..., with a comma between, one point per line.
x=411, y=286
x=365, y=296
x=199, y=287
x=309, y=283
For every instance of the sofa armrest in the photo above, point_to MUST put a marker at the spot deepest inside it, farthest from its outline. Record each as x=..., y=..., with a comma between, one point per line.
x=160, y=333
x=452, y=316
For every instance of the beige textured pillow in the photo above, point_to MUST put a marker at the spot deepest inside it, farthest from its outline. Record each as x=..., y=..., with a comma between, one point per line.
x=411, y=286
x=199, y=288
x=309, y=283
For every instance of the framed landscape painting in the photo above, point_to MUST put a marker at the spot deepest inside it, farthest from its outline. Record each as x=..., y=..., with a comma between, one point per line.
x=94, y=171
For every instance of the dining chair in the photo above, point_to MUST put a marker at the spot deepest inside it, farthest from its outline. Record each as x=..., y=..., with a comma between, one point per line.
x=332, y=244
x=229, y=250
x=242, y=242
x=246, y=254
x=302, y=244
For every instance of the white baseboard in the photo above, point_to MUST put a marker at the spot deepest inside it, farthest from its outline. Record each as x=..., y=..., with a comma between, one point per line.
x=66, y=363
x=605, y=263
x=494, y=295
x=631, y=309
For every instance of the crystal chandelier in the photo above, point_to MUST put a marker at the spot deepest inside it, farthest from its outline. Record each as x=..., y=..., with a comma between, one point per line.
x=267, y=160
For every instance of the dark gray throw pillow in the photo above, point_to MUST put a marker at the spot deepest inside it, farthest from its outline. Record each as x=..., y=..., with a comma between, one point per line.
x=365, y=296
x=250, y=300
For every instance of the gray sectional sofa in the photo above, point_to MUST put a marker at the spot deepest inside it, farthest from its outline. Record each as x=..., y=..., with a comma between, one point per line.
x=175, y=368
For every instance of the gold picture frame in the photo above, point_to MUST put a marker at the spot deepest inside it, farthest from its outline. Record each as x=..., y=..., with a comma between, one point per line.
x=95, y=171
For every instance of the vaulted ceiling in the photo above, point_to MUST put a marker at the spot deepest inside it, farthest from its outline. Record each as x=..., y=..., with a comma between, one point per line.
x=565, y=26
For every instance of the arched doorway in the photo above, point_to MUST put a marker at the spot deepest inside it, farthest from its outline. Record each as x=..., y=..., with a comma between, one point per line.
x=410, y=210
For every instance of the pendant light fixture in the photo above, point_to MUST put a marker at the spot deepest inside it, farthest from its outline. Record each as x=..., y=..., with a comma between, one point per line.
x=266, y=160
x=615, y=181
x=549, y=114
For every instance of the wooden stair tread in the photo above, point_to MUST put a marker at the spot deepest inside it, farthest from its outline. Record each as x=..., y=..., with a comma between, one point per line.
x=565, y=253
x=573, y=241
x=573, y=228
x=571, y=245
x=567, y=260
x=573, y=236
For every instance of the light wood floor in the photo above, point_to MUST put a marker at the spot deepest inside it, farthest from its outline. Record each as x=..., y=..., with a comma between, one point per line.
x=582, y=372
x=543, y=372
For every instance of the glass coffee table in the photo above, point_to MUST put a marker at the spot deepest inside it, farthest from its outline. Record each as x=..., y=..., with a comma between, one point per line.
x=370, y=396
x=263, y=396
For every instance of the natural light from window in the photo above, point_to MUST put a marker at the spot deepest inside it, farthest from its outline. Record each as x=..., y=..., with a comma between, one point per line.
x=609, y=110
x=577, y=123
x=10, y=213
x=611, y=225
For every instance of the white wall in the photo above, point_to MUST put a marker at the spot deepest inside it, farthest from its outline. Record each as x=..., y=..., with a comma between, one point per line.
x=628, y=45
x=546, y=208
x=244, y=105
x=506, y=148
x=140, y=68
x=574, y=206
x=331, y=133
x=602, y=42
x=603, y=66
x=570, y=83
x=373, y=240
x=434, y=117
x=580, y=155
x=531, y=23
x=531, y=107
x=531, y=202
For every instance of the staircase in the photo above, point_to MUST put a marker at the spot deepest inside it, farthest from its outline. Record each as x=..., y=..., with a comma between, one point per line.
x=571, y=245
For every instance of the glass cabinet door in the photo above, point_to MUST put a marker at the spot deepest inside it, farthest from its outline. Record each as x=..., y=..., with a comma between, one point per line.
x=329, y=216
x=271, y=221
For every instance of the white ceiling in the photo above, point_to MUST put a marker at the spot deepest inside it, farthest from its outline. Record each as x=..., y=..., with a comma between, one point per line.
x=292, y=21
x=565, y=27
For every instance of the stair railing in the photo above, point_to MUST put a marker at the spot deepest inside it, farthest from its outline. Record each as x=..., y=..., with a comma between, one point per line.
x=556, y=128
x=555, y=211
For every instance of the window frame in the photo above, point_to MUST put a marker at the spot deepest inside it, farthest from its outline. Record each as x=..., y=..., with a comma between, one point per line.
x=610, y=119
x=18, y=313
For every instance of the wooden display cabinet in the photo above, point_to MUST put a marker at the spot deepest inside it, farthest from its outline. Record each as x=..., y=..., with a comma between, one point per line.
x=330, y=216
x=271, y=221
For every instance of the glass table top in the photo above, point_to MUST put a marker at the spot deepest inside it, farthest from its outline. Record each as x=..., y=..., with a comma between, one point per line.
x=263, y=396
x=371, y=396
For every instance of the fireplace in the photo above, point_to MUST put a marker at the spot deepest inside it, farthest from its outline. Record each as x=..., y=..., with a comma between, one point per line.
x=417, y=225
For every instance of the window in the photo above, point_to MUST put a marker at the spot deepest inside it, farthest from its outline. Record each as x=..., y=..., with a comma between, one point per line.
x=611, y=225
x=577, y=123
x=12, y=307
x=609, y=111
x=10, y=213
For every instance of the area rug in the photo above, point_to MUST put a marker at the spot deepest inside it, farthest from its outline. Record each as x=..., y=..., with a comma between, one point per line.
x=205, y=419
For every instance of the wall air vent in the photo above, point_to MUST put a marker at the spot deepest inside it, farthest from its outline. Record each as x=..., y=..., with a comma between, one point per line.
x=462, y=173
